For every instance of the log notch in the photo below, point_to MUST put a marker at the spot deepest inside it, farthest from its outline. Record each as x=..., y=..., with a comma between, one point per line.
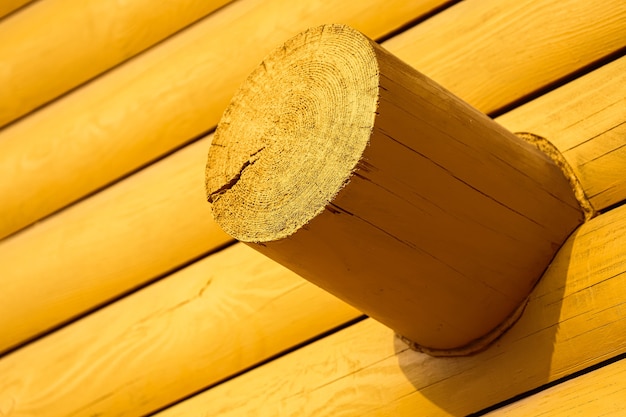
x=343, y=163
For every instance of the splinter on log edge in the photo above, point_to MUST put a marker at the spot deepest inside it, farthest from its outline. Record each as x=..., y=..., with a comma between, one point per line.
x=346, y=165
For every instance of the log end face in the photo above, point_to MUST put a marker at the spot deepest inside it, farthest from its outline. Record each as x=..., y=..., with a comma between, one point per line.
x=293, y=134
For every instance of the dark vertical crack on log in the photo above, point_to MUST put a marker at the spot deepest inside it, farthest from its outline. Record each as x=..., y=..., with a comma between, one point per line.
x=215, y=195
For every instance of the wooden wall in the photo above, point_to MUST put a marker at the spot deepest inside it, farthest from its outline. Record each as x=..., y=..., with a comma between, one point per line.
x=119, y=296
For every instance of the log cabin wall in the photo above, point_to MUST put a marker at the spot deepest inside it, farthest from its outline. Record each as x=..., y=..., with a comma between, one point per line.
x=119, y=296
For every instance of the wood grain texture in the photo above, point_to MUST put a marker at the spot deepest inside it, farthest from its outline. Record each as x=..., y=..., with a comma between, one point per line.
x=198, y=326
x=586, y=121
x=158, y=101
x=341, y=162
x=77, y=40
x=118, y=239
x=600, y=393
x=508, y=49
x=575, y=318
x=114, y=133
x=172, y=344
x=114, y=241
x=154, y=221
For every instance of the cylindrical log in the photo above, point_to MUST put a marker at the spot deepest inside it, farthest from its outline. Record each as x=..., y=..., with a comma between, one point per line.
x=343, y=163
x=101, y=132
x=77, y=40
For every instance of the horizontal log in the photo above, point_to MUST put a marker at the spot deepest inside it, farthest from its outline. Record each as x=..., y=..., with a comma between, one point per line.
x=281, y=309
x=510, y=48
x=114, y=126
x=78, y=40
x=106, y=245
x=193, y=329
x=594, y=145
x=386, y=174
x=158, y=101
x=574, y=319
x=118, y=239
x=597, y=393
x=133, y=250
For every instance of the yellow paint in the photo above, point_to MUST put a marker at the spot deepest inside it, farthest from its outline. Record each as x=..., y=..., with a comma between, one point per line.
x=155, y=102
x=200, y=325
x=508, y=49
x=157, y=219
x=56, y=45
x=594, y=143
x=338, y=193
x=575, y=318
x=598, y=393
x=126, y=241
x=106, y=245
x=178, y=90
x=118, y=238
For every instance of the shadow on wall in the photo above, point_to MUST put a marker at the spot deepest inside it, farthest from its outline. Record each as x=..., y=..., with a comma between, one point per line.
x=517, y=362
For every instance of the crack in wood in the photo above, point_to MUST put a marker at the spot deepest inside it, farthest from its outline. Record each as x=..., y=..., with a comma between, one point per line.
x=215, y=195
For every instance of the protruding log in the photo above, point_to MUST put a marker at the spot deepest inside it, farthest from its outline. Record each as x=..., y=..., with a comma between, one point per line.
x=102, y=131
x=351, y=168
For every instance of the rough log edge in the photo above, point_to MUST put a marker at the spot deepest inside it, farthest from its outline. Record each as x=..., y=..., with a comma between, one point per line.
x=553, y=152
x=475, y=346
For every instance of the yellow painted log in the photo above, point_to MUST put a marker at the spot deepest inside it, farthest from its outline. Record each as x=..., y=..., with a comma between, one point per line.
x=283, y=305
x=367, y=178
x=156, y=220
x=509, y=49
x=9, y=6
x=158, y=101
x=595, y=146
x=114, y=133
x=193, y=329
x=106, y=245
x=575, y=318
x=118, y=239
x=57, y=45
x=598, y=393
